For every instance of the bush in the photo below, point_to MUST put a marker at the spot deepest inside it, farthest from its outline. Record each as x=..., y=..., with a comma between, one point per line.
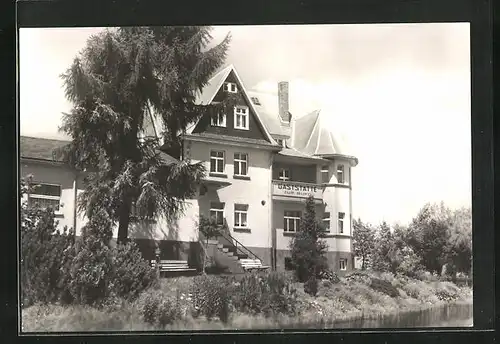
x=42, y=252
x=329, y=275
x=158, y=308
x=132, y=273
x=384, y=286
x=268, y=293
x=410, y=262
x=90, y=271
x=311, y=286
x=211, y=297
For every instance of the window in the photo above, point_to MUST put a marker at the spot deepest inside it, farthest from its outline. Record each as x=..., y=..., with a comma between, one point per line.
x=218, y=120
x=281, y=142
x=292, y=221
x=343, y=264
x=325, y=174
x=326, y=221
x=230, y=87
x=45, y=196
x=241, y=117
x=240, y=164
x=289, y=264
x=217, y=212
x=255, y=100
x=340, y=174
x=284, y=174
x=341, y=222
x=240, y=215
x=217, y=161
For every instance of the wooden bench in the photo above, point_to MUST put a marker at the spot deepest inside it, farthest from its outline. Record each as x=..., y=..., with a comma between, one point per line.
x=173, y=266
x=252, y=264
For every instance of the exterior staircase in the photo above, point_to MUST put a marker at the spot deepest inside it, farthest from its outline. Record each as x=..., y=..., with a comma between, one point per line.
x=230, y=253
x=248, y=261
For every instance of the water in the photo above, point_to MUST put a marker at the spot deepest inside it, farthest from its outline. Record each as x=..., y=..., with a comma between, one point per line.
x=453, y=315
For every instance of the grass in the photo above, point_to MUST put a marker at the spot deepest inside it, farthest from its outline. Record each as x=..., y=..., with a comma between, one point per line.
x=348, y=300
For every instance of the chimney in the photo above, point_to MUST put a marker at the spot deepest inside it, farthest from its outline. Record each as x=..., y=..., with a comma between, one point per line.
x=283, y=102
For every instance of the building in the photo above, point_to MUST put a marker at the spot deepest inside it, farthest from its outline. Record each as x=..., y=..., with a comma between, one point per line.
x=262, y=164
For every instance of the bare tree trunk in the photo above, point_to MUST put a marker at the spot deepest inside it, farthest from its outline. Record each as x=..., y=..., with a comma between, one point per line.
x=124, y=222
x=205, y=256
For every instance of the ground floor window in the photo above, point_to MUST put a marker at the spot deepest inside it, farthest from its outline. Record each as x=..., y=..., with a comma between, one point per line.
x=343, y=264
x=288, y=263
x=241, y=215
x=45, y=196
x=292, y=221
x=217, y=212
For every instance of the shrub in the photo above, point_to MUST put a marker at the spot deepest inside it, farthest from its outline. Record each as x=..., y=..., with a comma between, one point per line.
x=268, y=293
x=132, y=273
x=384, y=286
x=248, y=295
x=42, y=252
x=358, y=277
x=88, y=275
x=311, y=286
x=281, y=292
x=158, y=308
x=329, y=275
x=91, y=267
x=211, y=297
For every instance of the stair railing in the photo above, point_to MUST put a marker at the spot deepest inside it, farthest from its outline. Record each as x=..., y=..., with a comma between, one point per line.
x=236, y=242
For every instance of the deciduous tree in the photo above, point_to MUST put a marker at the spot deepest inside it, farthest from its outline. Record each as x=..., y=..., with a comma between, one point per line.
x=429, y=233
x=363, y=238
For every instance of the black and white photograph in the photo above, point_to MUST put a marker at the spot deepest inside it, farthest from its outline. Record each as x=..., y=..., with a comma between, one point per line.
x=247, y=177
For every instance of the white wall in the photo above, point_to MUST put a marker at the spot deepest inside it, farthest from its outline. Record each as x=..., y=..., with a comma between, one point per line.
x=183, y=230
x=54, y=174
x=251, y=192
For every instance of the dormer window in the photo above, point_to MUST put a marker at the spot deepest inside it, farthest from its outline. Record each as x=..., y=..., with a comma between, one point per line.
x=255, y=100
x=230, y=87
x=218, y=120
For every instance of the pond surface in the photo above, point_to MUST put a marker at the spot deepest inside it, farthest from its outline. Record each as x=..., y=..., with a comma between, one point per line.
x=453, y=315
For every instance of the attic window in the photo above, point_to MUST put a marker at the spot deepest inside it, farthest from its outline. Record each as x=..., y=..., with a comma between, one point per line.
x=281, y=142
x=230, y=87
x=255, y=100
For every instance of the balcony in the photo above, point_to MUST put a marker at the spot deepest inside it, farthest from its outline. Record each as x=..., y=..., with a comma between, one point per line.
x=296, y=191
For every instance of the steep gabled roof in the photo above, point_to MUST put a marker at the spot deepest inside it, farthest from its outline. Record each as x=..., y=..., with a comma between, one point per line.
x=213, y=86
x=208, y=93
x=42, y=149
x=39, y=148
x=268, y=109
x=314, y=138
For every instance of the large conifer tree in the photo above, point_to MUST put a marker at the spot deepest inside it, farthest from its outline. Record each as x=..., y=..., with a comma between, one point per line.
x=308, y=250
x=119, y=76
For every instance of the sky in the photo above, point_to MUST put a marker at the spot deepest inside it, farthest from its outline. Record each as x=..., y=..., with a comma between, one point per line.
x=398, y=94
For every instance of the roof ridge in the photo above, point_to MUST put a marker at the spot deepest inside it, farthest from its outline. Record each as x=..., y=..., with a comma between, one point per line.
x=314, y=127
x=42, y=138
x=318, y=119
